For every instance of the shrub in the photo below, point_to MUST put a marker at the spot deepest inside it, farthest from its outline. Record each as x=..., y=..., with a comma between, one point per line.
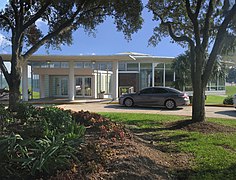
x=37, y=142
x=228, y=100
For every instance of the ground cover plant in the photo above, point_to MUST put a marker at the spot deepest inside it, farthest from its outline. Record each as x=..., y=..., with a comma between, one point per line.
x=42, y=143
x=196, y=151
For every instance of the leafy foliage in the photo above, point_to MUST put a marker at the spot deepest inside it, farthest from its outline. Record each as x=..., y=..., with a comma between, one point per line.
x=202, y=26
x=59, y=19
x=43, y=142
x=228, y=100
x=182, y=68
x=37, y=142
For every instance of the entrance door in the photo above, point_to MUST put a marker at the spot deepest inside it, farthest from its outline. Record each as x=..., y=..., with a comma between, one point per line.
x=60, y=86
x=83, y=86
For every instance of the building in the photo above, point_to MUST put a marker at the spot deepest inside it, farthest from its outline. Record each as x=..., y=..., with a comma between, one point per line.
x=95, y=76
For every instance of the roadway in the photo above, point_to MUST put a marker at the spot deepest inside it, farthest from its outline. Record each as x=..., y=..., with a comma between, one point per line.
x=211, y=111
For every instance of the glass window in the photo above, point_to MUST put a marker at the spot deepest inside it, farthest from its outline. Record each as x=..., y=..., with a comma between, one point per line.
x=160, y=66
x=169, y=78
x=54, y=65
x=122, y=66
x=109, y=66
x=168, y=66
x=132, y=66
x=146, y=91
x=45, y=64
x=146, y=65
x=159, y=90
x=64, y=64
x=87, y=65
x=102, y=66
x=36, y=64
x=79, y=65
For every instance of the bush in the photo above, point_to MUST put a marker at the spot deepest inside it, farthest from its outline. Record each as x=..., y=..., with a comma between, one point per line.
x=36, y=142
x=228, y=100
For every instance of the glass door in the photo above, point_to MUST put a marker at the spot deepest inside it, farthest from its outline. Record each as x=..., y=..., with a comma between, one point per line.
x=83, y=86
x=79, y=86
x=87, y=86
x=60, y=86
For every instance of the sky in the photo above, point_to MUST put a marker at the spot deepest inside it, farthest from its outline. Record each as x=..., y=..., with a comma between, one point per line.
x=108, y=41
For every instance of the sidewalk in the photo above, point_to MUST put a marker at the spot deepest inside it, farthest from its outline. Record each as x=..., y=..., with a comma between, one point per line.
x=215, y=112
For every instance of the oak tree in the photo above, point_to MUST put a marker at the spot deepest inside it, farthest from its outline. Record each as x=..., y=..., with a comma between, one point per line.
x=61, y=17
x=202, y=26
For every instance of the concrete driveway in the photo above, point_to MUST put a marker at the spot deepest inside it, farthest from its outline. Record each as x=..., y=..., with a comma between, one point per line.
x=217, y=112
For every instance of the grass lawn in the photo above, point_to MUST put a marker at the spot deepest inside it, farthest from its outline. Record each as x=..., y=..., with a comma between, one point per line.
x=214, y=99
x=214, y=153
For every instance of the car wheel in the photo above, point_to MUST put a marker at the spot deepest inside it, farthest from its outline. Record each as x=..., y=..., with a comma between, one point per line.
x=170, y=104
x=128, y=102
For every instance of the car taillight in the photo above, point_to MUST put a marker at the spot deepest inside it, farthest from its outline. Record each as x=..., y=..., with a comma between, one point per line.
x=185, y=96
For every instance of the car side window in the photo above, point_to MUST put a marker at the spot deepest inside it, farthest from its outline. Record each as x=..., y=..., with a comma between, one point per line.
x=159, y=91
x=146, y=91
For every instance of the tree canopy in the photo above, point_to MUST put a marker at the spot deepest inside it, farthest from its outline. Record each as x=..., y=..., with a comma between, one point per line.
x=62, y=18
x=201, y=25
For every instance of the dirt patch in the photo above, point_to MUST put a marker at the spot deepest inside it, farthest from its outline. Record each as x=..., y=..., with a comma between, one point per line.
x=130, y=159
x=203, y=127
x=112, y=152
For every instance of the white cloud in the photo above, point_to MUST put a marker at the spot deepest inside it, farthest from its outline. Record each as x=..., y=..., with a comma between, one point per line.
x=3, y=41
x=40, y=23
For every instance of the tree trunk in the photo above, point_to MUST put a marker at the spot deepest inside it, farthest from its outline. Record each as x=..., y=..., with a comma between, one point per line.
x=198, y=107
x=14, y=84
x=14, y=93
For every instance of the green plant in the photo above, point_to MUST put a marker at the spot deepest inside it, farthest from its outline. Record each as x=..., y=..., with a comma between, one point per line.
x=228, y=100
x=46, y=141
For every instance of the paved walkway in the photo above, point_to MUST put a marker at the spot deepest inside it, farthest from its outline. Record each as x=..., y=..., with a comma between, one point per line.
x=217, y=112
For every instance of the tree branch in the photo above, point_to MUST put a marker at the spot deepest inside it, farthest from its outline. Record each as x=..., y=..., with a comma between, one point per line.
x=36, y=16
x=7, y=20
x=194, y=20
x=189, y=11
x=15, y=10
x=173, y=36
x=207, y=25
x=199, y=4
x=62, y=28
x=4, y=70
x=218, y=43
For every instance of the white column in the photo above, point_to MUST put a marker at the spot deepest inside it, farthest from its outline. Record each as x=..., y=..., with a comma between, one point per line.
x=71, y=81
x=153, y=74
x=164, y=75
x=115, y=80
x=94, y=86
x=42, y=86
x=25, y=82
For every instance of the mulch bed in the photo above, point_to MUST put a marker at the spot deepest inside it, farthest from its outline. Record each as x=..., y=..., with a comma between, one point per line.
x=203, y=127
x=104, y=155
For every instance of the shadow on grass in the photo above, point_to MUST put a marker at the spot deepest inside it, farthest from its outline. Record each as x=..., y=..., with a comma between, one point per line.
x=226, y=173
x=152, y=135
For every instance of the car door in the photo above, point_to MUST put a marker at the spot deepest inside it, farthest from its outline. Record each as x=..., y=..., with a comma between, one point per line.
x=144, y=97
x=159, y=96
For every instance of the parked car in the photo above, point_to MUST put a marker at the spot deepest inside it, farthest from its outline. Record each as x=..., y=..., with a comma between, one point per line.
x=4, y=94
x=155, y=96
x=234, y=99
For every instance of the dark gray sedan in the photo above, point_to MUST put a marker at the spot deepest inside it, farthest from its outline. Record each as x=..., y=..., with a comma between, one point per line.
x=155, y=96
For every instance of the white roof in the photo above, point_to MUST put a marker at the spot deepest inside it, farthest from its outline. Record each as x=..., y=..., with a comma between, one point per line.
x=126, y=56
